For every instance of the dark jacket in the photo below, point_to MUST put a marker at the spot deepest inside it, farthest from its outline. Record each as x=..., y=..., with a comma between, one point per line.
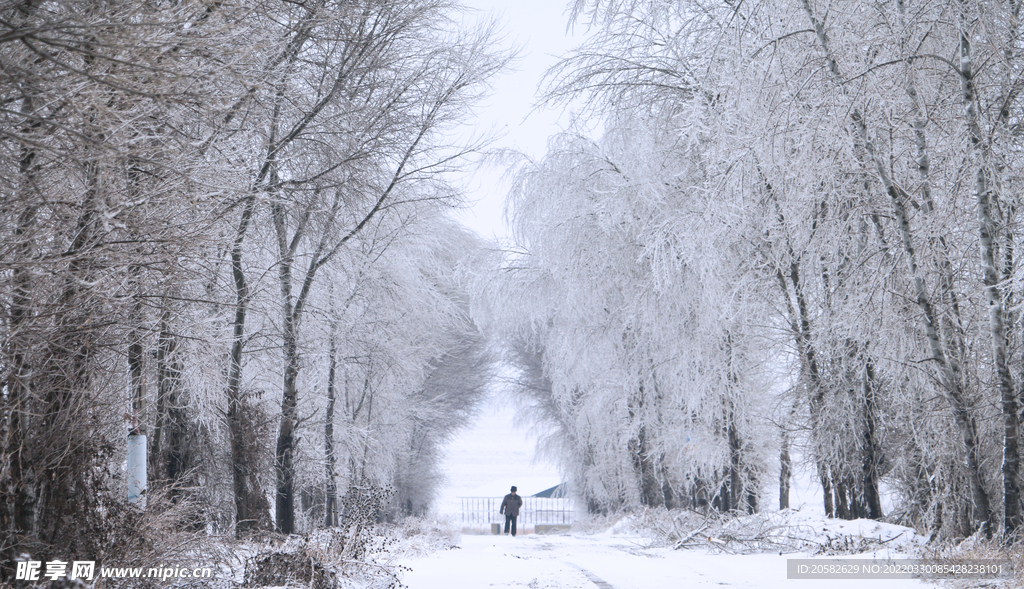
x=510, y=505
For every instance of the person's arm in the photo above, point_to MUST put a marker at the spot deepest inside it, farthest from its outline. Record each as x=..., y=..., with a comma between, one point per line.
x=520, y=500
x=502, y=510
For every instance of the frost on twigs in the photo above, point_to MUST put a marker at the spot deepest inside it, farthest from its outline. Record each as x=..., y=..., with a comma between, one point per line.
x=787, y=531
x=357, y=553
x=743, y=535
x=283, y=568
x=977, y=547
x=415, y=537
x=322, y=560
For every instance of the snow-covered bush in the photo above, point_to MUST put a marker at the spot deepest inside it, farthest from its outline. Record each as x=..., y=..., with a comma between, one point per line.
x=415, y=536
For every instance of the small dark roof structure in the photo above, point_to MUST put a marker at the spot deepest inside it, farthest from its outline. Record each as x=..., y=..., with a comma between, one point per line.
x=556, y=492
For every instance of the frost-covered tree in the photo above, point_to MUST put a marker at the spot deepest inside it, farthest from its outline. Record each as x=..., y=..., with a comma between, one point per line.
x=409, y=365
x=642, y=354
x=358, y=112
x=105, y=198
x=841, y=182
x=181, y=185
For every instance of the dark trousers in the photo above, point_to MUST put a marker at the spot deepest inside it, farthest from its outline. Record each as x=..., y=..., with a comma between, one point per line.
x=510, y=519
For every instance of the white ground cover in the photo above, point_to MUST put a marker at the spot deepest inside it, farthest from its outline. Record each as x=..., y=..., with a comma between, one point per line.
x=622, y=558
x=494, y=453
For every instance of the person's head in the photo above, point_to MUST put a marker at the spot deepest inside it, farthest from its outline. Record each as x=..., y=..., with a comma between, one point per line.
x=513, y=489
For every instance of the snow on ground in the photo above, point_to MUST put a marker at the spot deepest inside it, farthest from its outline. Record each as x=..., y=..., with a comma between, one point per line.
x=617, y=559
x=496, y=453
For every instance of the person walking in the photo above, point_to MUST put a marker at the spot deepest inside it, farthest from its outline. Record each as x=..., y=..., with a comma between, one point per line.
x=510, y=507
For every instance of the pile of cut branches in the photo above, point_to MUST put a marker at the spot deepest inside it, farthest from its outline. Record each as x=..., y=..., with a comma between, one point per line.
x=748, y=534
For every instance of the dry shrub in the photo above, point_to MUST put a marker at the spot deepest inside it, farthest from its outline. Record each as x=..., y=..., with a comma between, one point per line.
x=415, y=537
x=977, y=548
x=284, y=569
x=357, y=552
x=121, y=535
x=323, y=560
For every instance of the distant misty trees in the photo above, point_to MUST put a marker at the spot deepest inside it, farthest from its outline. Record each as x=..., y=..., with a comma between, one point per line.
x=796, y=235
x=223, y=226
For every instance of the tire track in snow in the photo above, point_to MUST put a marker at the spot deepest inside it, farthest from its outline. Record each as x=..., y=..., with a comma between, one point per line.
x=601, y=583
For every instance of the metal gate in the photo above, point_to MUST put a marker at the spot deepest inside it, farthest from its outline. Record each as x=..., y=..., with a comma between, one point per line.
x=535, y=510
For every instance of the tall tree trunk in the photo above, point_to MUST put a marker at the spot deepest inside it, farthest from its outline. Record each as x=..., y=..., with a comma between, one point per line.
x=331, y=502
x=249, y=501
x=284, y=454
x=369, y=393
x=785, y=469
x=825, y=479
x=950, y=371
x=671, y=501
x=735, y=461
x=841, y=495
x=872, y=502
x=284, y=458
x=800, y=324
x=809, y=359
x=639, y=449
x=137, y=378
x=652, y=494
x=18, y=500
x=164, y=351
x=176, y=457
x=987, y=230
x=59, y=441
x=737, y=475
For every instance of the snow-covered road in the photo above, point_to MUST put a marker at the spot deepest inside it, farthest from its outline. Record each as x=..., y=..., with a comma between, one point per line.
x=604, y=561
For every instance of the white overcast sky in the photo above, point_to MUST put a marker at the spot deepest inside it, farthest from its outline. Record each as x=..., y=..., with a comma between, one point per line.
x=538, y=29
